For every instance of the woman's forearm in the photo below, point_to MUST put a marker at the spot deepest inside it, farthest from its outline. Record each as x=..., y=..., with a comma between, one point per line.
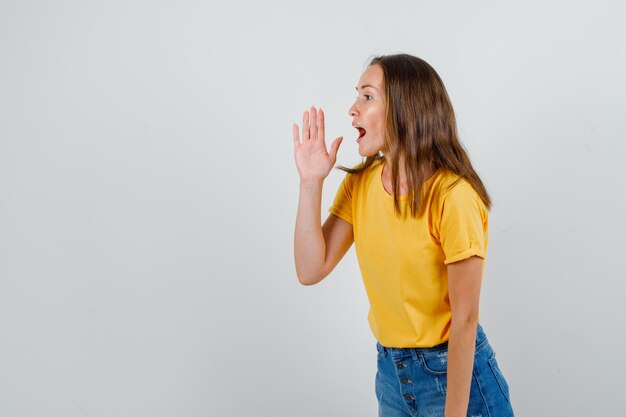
x=309, y=244
x=461, y=348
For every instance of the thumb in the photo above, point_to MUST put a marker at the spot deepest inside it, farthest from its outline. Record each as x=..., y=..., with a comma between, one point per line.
x=334, y=147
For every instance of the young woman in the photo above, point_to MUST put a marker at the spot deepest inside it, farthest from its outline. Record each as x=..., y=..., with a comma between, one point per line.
x=417, y=213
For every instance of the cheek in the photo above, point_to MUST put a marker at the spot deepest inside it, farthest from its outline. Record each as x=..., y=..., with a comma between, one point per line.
x=380, y=125
x=380, y=117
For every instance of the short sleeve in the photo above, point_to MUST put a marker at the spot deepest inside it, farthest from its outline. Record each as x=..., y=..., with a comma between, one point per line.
x=342, y=206
x=463, y=225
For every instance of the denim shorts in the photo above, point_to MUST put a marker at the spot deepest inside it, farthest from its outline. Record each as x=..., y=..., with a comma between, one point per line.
x=412, y=382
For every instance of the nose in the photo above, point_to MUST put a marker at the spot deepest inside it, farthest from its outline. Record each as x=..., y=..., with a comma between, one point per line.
x=353, y=111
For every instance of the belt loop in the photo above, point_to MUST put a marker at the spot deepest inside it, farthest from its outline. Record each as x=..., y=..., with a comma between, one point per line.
x=417, y=356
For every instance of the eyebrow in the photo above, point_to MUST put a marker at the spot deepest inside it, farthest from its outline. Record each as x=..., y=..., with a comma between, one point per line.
x=366, y=85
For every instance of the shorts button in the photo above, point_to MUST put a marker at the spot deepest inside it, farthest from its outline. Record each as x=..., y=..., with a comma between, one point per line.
x=406, y=380
x=409, y=397
x=400, y=365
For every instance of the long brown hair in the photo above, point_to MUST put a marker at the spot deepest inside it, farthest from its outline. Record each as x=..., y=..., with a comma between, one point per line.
x=420, y=130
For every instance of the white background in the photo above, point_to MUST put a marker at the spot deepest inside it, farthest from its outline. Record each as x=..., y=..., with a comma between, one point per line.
x=148, y=195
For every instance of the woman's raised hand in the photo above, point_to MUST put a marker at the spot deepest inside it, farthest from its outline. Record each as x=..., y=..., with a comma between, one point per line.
x=313, y=161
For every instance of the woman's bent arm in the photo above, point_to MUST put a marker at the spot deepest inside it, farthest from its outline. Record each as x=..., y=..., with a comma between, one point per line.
x=317, y=250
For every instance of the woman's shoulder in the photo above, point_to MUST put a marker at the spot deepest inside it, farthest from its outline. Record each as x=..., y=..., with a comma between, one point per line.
x=449, y=182
x=445, y=179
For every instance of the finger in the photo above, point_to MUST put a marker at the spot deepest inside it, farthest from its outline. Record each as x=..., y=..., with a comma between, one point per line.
x=320, y=125
x=334, y=148
x=296, y=135
x=313, y=130
x=305, y=126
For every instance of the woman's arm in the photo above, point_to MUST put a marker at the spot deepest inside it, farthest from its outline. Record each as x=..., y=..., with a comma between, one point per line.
x=317, y=248
x=464, y=281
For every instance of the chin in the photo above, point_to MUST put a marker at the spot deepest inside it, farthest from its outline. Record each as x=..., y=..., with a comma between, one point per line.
x=368, y=152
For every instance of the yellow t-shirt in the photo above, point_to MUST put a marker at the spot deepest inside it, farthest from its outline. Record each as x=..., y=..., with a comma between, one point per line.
x=403, y=260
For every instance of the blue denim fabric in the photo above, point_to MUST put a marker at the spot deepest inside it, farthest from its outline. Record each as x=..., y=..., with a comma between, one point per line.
x=412, y=382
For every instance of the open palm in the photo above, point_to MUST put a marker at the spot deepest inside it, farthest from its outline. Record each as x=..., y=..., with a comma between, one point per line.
x=313, y=161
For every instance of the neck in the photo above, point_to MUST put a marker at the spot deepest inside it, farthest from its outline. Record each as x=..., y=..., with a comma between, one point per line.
x=427, y=170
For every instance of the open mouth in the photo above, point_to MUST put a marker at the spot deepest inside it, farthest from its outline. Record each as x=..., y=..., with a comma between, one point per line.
x=361, y=132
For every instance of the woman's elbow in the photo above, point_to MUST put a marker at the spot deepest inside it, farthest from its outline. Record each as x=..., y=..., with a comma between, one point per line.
x=308, y=279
